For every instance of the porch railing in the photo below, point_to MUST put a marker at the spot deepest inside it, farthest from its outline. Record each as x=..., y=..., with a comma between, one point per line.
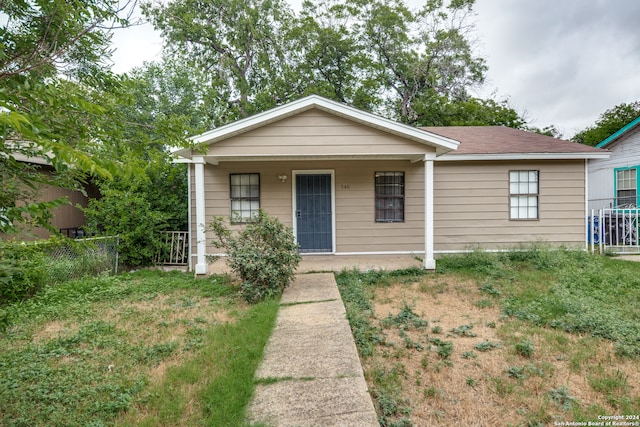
x=615, y=230
x=174, y=249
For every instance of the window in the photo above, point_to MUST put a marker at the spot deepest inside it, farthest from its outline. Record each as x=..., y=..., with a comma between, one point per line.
x=626, y=187
x=245, y=196
x=523, y=191
x=389, y=196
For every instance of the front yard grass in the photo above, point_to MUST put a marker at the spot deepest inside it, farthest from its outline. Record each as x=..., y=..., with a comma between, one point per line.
x=521, y=338
x=145, y=348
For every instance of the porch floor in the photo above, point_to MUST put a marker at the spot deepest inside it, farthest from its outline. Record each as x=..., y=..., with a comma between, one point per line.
x=337, y=263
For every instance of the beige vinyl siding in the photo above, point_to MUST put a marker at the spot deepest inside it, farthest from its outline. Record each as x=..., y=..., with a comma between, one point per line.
x=356, y=229
x=472, y=205
x=315, y=133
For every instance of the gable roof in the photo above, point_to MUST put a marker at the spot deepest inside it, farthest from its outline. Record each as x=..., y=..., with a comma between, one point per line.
x=619, y=133
x=441, y=143
x=503, y=143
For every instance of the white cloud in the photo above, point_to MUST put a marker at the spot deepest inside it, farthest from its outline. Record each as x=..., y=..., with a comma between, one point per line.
x=565, y=62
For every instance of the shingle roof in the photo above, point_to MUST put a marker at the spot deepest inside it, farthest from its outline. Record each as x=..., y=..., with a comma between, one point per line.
x=504, y=140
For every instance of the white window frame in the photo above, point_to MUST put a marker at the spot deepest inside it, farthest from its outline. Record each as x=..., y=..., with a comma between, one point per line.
x=524, y=195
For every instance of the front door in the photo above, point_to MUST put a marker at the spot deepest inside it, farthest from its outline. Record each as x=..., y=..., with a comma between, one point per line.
x=314, y=217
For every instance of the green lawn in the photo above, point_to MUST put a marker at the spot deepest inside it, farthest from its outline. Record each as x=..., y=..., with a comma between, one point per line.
x=162, y=349
x=145, y=348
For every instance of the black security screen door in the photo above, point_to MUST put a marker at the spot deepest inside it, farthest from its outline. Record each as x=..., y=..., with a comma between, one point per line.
x=313, y=213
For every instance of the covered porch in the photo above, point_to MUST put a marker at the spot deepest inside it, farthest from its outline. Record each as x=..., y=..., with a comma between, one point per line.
x=337, y=263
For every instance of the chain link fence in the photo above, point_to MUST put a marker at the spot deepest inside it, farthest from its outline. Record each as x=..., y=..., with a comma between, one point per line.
x=73, y=259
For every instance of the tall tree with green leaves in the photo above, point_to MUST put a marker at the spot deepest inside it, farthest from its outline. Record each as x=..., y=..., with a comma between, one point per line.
x=376, y=55
x=329, y=58
x=42, y=114
x=239, y=43
x=421, y=56
x=608, y=123
x=139, y=205
x=470, y=111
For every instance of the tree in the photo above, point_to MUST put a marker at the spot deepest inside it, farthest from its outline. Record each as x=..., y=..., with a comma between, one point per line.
x=375, y=55
x=424, y=55
x=44, y=115
x=330, y=60
x=442, y=111
x=151, y=113
x=608, y=123
x=239, y=43
x=138, y=208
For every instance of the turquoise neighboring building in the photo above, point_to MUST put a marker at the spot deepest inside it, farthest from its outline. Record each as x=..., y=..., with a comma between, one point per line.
x=614, y=182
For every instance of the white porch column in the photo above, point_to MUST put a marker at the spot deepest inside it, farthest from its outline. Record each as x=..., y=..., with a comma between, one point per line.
x=429, y=260
x=201, y=264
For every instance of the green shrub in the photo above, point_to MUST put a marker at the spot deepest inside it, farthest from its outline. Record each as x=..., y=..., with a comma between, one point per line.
x=129, y=215
x=264, y=255
x=22, y=272
x=27, y=268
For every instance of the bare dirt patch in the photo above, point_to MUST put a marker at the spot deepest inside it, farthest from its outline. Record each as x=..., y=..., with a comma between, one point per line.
x=54, y=329
x=566, y=377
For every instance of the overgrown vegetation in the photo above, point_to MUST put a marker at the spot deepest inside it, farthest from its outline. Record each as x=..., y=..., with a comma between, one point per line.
x=145, y=348
x=27, y=268
x=563, y=289
x=547, y=315
x=264, y=255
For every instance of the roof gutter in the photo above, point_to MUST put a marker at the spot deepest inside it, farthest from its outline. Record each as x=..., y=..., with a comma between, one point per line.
x=523, y=156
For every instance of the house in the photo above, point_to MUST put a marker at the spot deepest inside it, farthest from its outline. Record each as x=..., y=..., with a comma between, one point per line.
x=69, y=218
x=353, y=183
x=613, y=182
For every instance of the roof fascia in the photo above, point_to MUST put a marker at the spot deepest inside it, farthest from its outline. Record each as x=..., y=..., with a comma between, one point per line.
x=524, y=156
x=619, y=133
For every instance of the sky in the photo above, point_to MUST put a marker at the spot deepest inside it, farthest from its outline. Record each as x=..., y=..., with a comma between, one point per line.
x=558, y=62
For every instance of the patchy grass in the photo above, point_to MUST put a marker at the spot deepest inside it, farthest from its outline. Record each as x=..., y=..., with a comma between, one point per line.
x=556, y=338
x=147, y=348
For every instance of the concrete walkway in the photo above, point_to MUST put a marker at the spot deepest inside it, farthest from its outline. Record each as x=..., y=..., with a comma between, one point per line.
x=311, y=374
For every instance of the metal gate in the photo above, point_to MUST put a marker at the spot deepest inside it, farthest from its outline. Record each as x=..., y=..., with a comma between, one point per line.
x=174, y=248
x=314, y=216
x=614, y=230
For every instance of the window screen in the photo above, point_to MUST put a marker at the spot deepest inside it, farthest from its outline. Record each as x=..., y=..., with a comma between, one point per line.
x=389, y=196
x=245, y=196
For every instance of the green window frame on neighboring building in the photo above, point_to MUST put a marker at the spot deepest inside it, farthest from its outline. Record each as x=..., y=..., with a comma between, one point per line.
x=625, y=186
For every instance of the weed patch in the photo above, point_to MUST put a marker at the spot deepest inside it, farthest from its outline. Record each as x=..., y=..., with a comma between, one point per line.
x=133, y=349
x=569, y=340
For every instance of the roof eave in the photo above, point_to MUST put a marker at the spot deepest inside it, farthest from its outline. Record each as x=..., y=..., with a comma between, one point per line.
x=524, y=156
x=619, y=133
